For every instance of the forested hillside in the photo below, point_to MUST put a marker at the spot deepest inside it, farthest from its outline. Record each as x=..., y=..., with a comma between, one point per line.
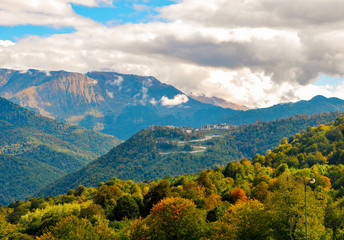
x=142, y=157
x=263, y=135
x=318, y=104
x=259, y=199
x=36, y=150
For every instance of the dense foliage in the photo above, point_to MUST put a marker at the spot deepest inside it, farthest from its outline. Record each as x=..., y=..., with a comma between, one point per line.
x=259, y=199
x=36, y=150
x=262, y=135
x=140, y=158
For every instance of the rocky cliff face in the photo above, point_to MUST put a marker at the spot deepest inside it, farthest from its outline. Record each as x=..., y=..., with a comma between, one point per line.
x=63, y=95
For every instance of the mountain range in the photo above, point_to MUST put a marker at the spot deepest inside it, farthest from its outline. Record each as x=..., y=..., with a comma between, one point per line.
x=123, y=104
x=35, y=150
x=318, y=104
x=109, y=102
x=218, y=102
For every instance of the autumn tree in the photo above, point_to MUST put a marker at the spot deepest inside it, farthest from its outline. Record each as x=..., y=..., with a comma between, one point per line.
x=176, y=218
x=248, y=220
x=155, y=194
x=238, y=194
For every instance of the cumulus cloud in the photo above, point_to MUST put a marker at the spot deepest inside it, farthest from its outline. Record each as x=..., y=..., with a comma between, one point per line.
x=57, y=13
x=177, y=100
x=115, y=82
x=255, y=53
x=153, y=101
x=257, y=13
x=6, y=43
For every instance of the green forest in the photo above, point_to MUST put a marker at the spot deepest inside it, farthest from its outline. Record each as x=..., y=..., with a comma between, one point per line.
x=36, y=150
x=139, y=158
x=261, y=198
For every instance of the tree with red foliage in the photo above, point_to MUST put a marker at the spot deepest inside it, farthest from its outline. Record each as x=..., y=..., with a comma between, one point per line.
x=238, y=194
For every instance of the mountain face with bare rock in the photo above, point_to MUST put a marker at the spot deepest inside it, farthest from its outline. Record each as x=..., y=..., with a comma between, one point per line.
x=218, y=102
x=113, y=103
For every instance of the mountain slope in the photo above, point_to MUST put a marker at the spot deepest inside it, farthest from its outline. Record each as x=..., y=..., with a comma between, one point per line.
x=54, y=148
x=322, y=144
x=318, y=104
x=219, y=102
x=113, y=103
x=142, y=157
x=20, y=177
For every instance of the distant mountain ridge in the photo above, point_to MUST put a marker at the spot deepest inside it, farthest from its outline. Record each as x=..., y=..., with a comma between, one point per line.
x=318, y=104
x=218, y=102
x=123, y=104
x=35, y=150
x=113, y=103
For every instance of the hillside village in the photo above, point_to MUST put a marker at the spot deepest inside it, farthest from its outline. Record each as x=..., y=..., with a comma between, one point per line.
x=218, y=126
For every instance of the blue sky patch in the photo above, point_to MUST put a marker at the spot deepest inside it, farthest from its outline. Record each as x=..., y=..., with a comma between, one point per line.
x=328, y=80
x=139, y=11
x=123, y=11
x=15, y=33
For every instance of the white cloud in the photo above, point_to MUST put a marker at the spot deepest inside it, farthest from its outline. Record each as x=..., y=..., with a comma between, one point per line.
x=109, y=93
x=142, y=96
x=56, y=13
x=144, y=92
x=147, y=83
x=177, y=100
x=115, y=82
x=94, y=82
x=25, y=71
x=257, y=13
x=6, y=43
x=256, y=52
x=153, y=101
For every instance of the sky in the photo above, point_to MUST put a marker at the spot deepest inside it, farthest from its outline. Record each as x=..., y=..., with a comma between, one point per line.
x=251, y=52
